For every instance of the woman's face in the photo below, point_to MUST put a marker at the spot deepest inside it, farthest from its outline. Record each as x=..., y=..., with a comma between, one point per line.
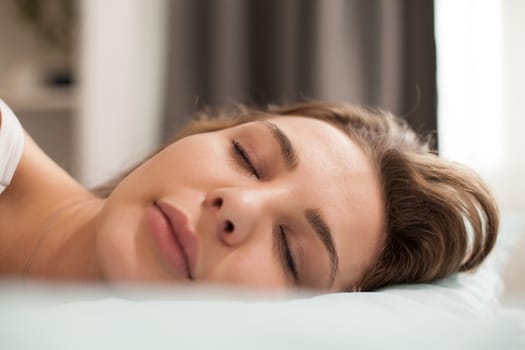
x=281, y=203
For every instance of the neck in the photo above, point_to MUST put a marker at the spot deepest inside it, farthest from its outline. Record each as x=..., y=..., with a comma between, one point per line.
x=47, y=223
x=65, y=247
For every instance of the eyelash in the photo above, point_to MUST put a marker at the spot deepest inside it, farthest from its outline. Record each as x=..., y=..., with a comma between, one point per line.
x=286, y=255
x=247, y=163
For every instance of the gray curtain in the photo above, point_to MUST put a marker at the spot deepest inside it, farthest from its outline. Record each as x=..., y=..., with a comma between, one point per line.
x=371, y=52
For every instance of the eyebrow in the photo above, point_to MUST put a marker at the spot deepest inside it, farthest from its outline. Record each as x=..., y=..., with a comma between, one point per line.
x=313, y=216
x=315, y=219
x=288, y=152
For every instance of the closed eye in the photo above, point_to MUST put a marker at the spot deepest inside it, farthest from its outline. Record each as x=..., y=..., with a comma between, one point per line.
x=286, y=254
x=242, y=157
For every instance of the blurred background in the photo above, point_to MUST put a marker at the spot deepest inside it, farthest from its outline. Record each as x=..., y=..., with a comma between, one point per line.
x=99, y=84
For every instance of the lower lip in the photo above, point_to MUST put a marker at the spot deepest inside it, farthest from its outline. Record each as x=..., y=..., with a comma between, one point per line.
x=169, y=248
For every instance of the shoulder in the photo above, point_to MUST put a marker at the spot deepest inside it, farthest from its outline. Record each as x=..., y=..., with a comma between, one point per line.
x=12, y=141
x=31, y=183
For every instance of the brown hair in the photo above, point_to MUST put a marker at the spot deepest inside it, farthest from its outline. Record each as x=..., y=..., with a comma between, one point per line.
x=440, y=216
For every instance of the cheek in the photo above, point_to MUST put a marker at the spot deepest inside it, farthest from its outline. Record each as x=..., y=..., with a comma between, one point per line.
x=195, y=161
x=116, y=234
x=252, y=266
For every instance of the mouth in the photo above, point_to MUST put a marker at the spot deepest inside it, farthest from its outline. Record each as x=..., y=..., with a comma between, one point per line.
x=176, y=241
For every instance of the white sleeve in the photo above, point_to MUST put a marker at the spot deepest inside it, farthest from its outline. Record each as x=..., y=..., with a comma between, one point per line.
x=11, y=145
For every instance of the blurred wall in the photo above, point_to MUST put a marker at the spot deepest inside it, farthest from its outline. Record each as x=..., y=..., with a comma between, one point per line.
x=20, y=69
x=481, y=110
x=509, y=181
x=121, y=75
x=480, y=76
x=27, y=62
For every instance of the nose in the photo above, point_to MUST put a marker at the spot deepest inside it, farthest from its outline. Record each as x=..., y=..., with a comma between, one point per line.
x=236, y=213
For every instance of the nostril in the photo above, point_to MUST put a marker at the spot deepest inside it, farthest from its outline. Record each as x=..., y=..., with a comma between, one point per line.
x=217, y=202
x=228, y=226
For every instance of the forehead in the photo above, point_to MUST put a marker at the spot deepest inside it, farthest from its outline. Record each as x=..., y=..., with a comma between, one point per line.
x=326, y=153
x=323, y=143
x=336, y=176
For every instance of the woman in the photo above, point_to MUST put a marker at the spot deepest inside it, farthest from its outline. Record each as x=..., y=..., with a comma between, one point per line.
x=317, y=195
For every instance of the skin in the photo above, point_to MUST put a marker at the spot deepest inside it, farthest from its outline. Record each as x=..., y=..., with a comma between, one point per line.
x=80, y=236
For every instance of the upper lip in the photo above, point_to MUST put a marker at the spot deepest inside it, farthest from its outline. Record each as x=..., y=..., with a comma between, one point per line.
x=187, y=238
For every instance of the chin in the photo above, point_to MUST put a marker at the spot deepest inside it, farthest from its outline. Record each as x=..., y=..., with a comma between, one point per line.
x=125, y=252
x=114, y=254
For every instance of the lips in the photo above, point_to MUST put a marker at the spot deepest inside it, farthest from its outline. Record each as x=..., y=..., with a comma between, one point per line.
x=177, y=242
